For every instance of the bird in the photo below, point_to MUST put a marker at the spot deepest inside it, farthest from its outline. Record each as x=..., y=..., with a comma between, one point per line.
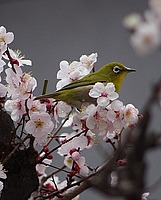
x=76, y=94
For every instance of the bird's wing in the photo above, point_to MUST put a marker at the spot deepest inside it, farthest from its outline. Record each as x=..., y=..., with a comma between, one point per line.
x=90, y=79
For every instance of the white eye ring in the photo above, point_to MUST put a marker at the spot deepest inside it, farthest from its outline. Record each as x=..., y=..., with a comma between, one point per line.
x=116, y=69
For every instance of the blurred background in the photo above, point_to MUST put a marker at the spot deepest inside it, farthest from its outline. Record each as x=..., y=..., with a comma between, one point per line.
x=48, y=31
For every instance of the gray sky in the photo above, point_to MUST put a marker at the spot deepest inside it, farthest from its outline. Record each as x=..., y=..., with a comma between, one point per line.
x=48, y=31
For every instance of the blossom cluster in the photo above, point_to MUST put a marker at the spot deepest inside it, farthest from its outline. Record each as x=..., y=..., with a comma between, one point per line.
x=19, y=88
x=75, y=70
x=109, y=117
x=43, y=118
x=49, y=184
x=106, y=120
x=40, y=118
x=146, y=32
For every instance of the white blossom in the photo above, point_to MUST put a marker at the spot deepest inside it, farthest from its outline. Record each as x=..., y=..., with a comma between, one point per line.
x=69, y=121
x=107, y=121
x=88, y=61
x=13, y=80
x=41, y=168
x=35, y=106
x=115, y=114
x=75, y=70
x=39, y=125
x=27, y=85
x=80, y=163
x=98, y=122
x=18, y=58
x=145, y=195
x=20, y=85
x=65, y=136
x=2, y=176
x=146, y=38
x=69, y=73
x=62, y=109
x=130, y=115
x=114, y=178
x=145, y=31
x=103, y=93
x=68, y=162
x=84, y=170
x=132, y=21
x=78, y=143
x=16, y=107
x=5, y=39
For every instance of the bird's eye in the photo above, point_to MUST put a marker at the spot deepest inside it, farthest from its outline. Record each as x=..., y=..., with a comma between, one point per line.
x=116, y=69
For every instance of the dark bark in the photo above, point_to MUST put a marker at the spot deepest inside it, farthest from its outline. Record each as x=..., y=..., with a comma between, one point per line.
x=21, y=174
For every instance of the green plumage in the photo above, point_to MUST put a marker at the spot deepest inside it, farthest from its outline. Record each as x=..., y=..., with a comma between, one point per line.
x=76, y=93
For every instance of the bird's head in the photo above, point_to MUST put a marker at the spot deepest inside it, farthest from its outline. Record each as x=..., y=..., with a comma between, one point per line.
x=117, y=73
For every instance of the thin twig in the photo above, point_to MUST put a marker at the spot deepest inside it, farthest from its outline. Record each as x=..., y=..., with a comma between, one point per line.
x=14, y=150
x=10, y=59
x=57, y=147
x=45, y=87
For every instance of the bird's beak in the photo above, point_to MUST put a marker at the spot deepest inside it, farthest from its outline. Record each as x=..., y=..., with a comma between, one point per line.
x=130, y=70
